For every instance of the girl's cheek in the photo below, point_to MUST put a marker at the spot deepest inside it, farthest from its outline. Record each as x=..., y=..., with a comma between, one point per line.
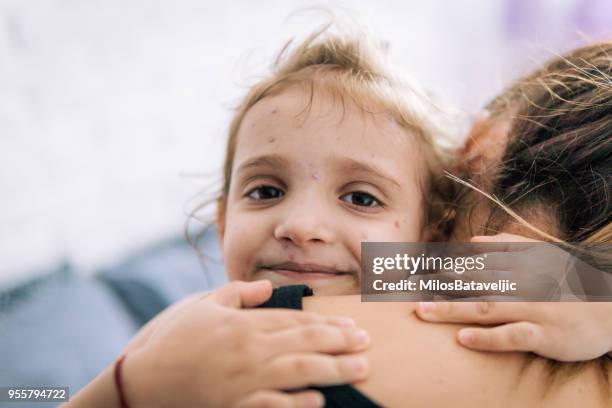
x=235, y=267
x=240, y=246
x=380, y=233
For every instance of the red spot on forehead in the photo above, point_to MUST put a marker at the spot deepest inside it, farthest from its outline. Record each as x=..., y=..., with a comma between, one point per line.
x=396, y=224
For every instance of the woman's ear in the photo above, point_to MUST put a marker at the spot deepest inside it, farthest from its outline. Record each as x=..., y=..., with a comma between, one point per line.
x=485, y=144
x=221, y=220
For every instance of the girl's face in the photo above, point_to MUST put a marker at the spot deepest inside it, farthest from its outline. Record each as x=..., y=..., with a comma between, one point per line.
x=308, y=186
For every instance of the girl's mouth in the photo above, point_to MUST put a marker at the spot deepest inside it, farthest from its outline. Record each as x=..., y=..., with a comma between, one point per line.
x=301, y=272
x=301, y=276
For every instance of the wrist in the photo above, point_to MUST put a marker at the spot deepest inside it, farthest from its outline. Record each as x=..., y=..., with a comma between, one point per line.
x=119, y=382
x=100, y=393
x=135, y=381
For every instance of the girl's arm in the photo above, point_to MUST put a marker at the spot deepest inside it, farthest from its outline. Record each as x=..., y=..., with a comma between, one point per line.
x=209, y=353
x=100, y=393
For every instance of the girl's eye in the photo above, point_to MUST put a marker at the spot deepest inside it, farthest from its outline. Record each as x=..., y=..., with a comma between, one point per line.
x=265, y=193
x=361, y=199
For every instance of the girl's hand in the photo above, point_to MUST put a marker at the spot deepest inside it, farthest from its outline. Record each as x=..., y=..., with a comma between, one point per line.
x=540, y=271
x=235, y=294
x=572, y=331
x=209, y=353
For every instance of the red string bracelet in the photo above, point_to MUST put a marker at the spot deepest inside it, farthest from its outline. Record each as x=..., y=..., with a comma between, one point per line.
x=117, y=372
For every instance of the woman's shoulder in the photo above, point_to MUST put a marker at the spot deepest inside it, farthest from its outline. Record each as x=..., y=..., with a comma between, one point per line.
x=414, y=363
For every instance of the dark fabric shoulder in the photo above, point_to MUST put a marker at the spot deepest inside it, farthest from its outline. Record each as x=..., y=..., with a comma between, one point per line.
x=341, y=396
x=338, y=396
x=288, y=297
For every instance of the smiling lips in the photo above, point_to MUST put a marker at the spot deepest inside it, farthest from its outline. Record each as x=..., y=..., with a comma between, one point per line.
x=305, y=271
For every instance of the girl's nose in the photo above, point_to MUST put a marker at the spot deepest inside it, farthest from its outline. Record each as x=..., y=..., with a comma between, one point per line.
x=303, y=228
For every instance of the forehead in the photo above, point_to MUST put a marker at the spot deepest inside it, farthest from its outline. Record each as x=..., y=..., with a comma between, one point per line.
x=300, y=124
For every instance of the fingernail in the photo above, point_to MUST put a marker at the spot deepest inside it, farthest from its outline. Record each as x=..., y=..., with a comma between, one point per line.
x=360, y=336
x=359, y=365
x=427, y=307
x=342, y=321
x=466, y=337
x=314, y=400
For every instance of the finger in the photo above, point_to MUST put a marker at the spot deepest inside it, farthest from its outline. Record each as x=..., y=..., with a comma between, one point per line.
x=484, y=265
x=270, y=320
x=486, y=275
x=315, y=338
x=451, y=285
x=242, y=294
x=522, y=336
x=301, y=370
x=496, y=261
x=500, y=243
x=476, y=312
x=535, y=275
x=503, y=237
x=277, y=399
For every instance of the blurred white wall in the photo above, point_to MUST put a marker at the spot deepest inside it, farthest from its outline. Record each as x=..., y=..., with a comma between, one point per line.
x=104, y=104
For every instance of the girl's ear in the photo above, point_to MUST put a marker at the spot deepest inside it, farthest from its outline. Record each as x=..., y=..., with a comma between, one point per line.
x=221, y=220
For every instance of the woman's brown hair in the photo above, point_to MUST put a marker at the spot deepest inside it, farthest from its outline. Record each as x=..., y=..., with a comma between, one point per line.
x=558, y=159
x=560, y=142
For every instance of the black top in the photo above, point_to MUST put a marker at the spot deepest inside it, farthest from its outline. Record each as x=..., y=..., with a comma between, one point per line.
x=337, y=396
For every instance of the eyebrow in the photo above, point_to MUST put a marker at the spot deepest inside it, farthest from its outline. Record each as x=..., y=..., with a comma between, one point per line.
x=264, y=161
x=352, y=165
x=345, y=165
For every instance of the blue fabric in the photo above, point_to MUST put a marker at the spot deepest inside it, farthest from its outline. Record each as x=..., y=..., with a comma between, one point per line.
x=149, y=281
x=62, y=329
